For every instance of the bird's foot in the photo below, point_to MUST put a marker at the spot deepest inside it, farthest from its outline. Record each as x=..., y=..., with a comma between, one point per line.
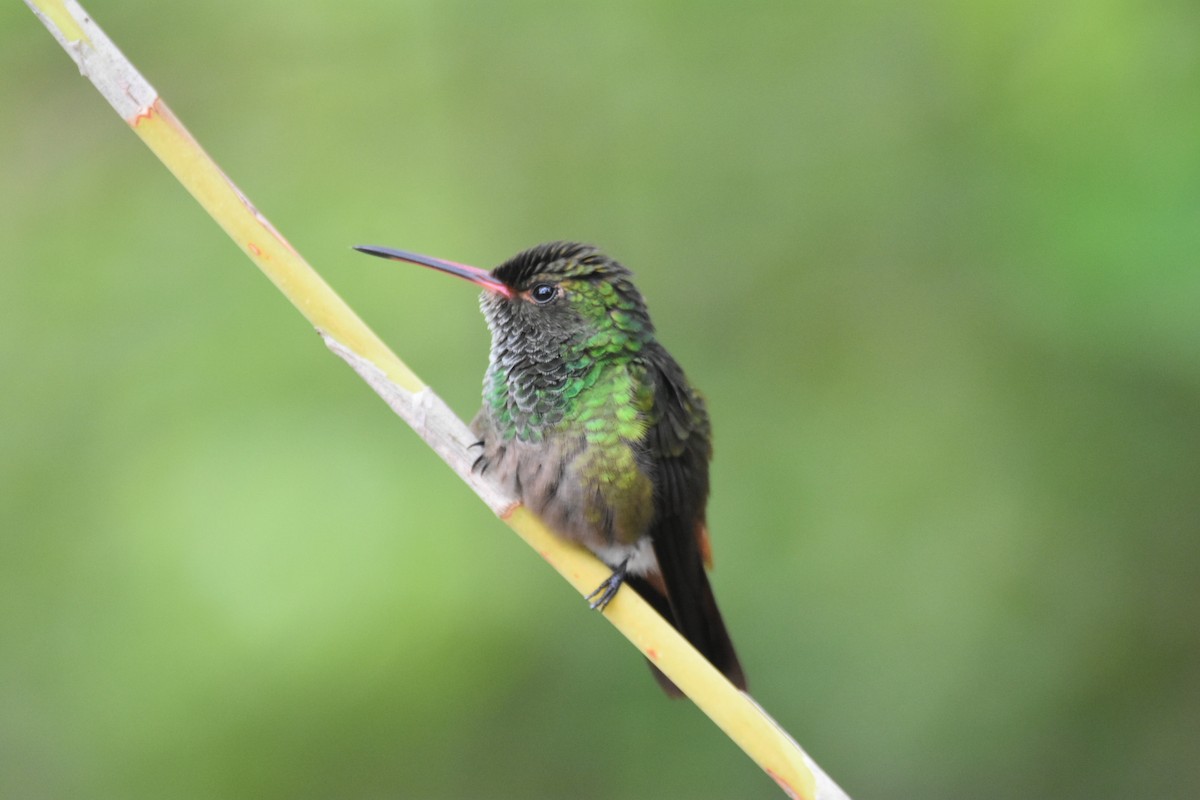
x=606, y=591
x=482, y=462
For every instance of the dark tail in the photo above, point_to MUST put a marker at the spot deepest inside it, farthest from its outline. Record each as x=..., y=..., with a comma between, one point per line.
x=690, y=606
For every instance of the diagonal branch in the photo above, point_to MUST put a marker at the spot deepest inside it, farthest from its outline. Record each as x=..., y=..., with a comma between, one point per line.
x=349, y=337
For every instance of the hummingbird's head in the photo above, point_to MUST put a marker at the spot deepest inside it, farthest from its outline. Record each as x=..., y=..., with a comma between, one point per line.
x=566, y=295
x=553, y=303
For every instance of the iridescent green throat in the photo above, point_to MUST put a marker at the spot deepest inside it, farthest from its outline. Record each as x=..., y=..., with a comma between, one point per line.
x=580, y=373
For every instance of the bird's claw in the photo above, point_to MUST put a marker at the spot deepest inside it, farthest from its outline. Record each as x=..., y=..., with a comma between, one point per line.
x=605, y=592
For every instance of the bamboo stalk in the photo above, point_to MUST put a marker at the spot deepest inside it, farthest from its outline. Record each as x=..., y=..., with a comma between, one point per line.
x=136, y=101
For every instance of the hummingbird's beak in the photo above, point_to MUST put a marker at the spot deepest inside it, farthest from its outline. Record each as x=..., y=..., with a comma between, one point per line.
x=473, y=274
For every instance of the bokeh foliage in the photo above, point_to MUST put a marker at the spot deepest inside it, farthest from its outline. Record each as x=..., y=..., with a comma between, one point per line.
x=935, y=266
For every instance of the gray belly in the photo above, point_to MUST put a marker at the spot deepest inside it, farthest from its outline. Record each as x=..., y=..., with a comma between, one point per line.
x=546, y=477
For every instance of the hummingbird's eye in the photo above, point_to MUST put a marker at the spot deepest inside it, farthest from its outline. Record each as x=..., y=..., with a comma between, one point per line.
x=543, y=293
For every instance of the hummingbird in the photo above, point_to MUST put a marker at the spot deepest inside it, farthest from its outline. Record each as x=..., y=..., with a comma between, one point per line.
x=590, y=422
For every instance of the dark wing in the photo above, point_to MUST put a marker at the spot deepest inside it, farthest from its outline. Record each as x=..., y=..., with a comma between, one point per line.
x=679, y=447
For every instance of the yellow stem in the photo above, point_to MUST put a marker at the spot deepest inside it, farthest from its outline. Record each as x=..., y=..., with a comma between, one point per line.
x=141, y=107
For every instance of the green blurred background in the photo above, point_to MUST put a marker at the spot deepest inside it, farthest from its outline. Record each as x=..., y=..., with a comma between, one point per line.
x=935, y=266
